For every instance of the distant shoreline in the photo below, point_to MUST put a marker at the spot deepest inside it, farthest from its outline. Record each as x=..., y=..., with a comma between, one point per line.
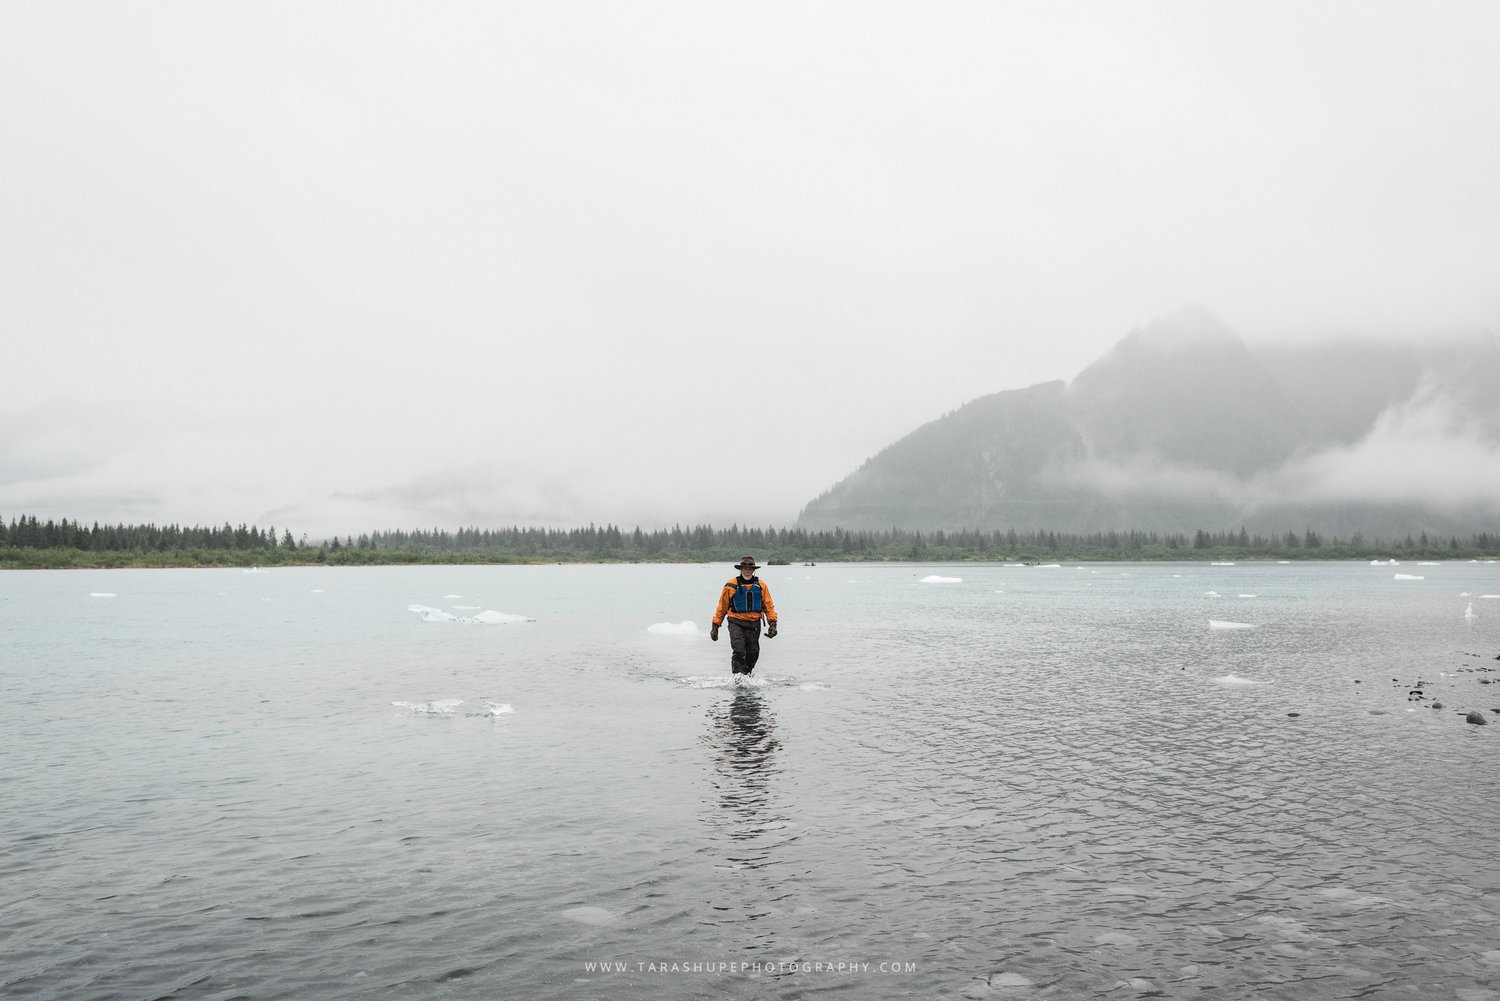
x=62, y=559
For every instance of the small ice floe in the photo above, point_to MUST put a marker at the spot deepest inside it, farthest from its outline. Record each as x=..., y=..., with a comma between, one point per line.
x=1116, y=938
x=1469, y=612
x=937, y=579
x=1386, y=563
x=1221, y=564
x=1222, y=624
x=1490, y=595
x=486, y=618
x=1249, y=596
x=1210, y=594
x=1408, y=576
x=1234, y=679
x=494, y=618
x=495, y=708
x=596, y=916
x=673, y=628
x=103, y=594
x=437, y=707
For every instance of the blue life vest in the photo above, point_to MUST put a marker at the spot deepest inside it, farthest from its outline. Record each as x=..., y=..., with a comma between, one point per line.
x=746, y=595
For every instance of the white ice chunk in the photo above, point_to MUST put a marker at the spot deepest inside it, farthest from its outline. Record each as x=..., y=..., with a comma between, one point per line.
x=486, y=618
x=596, y=916
x=103, y=594
x=1234, y=679
x=936, y=579
x=496, y=708
x=1408, y=576
x=673, y=628
x=490, y=617
x=1222, y=624
x=437, y=707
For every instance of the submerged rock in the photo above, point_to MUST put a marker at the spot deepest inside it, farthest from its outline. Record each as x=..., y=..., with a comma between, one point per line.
x=596, y=916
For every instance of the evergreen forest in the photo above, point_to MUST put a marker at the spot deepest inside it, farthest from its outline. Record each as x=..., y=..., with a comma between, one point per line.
x=26, y=542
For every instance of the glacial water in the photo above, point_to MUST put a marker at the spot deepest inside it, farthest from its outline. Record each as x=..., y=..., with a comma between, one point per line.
x=975, y=781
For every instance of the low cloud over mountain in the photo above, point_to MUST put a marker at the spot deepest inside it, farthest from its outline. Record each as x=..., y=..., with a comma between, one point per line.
x=1182, y=425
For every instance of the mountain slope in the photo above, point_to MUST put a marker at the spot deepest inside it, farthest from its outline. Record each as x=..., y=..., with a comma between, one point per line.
x=1181, y=425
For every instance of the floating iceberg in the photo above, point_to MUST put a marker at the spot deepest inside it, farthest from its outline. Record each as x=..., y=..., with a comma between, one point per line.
x=935, y=579
x=673, y=629
x=1408, y=576
x=437, y=707
x=486, y=618
x=1222, y=624
x=492, y=617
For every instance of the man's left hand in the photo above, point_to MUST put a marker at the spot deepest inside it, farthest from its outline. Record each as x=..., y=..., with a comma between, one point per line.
x=771, y=631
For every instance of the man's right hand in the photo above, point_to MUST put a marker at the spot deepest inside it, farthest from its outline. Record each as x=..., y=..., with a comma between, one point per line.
x=713, y=632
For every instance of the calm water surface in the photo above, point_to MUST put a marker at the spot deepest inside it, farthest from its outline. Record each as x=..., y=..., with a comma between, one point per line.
x=1019, y=782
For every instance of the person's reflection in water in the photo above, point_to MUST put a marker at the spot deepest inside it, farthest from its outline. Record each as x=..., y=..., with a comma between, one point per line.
x=743, y=742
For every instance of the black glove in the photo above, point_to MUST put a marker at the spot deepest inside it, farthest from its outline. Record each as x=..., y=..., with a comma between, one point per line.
x=771, y=631
x=713, y=632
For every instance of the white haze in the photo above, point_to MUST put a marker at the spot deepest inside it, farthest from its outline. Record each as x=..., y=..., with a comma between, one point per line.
x=1425, y=450
x=341, y=266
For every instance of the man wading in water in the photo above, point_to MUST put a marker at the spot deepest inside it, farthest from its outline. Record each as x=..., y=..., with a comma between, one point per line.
x=745, y=600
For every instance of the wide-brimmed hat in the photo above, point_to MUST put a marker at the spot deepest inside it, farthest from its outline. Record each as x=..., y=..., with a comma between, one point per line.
x=747, y=562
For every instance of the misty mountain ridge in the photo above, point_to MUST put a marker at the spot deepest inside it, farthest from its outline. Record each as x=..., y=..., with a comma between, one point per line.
x=1183, y=425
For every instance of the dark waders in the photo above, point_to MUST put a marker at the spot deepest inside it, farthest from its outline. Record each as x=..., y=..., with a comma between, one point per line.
x=744, y=640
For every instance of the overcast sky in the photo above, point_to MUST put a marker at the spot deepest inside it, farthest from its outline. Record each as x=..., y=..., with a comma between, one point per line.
x=343, y=266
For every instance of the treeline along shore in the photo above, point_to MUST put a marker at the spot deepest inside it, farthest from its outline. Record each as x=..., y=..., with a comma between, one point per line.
x=27, y=543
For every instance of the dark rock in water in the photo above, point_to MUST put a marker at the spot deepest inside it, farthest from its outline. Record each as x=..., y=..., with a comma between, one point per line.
x=1356, y=681
x=1477, y=718
x=1437, y=705
x=1294, y=714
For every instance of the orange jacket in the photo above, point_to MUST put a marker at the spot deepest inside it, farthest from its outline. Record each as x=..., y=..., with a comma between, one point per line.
x=725, y=608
